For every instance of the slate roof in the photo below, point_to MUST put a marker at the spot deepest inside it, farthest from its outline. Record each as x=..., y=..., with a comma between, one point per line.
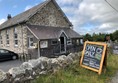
x=48, y=32
x=23, y=17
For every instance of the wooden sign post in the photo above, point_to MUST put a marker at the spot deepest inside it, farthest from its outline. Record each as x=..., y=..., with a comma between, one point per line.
x=93, y=56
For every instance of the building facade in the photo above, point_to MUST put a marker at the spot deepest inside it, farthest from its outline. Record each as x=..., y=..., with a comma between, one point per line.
x=43, y=30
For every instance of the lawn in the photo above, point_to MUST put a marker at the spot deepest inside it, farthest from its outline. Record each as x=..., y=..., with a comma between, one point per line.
x=76, y=74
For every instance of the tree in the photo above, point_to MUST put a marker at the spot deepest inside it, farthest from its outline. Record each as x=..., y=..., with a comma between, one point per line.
x=88, y=37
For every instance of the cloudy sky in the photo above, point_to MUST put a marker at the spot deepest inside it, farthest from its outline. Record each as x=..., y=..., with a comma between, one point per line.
x=87, y=16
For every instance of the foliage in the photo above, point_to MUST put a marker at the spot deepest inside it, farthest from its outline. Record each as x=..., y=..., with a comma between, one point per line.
x=88, y=37
x=76, y=74
x=101, y=36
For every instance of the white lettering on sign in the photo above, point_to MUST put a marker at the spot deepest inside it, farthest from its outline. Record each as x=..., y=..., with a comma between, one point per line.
x=90, y=48
x=89, y=53
x=99, y=51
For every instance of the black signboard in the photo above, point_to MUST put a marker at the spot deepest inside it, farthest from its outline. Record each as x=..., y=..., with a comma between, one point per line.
x=115, y=48
x=93, y=56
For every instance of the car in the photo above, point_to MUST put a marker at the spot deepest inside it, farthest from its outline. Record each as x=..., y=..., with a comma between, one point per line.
x=7, y=55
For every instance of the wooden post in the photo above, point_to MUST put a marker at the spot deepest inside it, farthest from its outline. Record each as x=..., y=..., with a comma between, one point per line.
x=105, y=61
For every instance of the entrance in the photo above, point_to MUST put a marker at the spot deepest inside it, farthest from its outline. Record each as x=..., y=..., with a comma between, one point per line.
x=63, y=44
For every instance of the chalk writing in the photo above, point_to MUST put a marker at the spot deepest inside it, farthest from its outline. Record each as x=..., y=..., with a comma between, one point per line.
x=92, y=55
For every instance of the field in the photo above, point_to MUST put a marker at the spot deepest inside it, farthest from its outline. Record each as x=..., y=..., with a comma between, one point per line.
x=76, y=74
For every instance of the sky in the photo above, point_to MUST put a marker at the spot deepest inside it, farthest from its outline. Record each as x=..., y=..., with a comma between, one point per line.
x=87, y=16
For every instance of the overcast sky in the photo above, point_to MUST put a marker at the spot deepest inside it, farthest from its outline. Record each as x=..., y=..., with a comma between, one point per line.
x=87, y=16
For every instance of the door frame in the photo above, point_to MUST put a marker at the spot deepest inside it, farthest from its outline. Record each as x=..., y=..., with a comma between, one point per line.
x=65, y=39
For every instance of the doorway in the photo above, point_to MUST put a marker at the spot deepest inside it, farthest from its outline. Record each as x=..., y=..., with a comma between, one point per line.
x=63, y=44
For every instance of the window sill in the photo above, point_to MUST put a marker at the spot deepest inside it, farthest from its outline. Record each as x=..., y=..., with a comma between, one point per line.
x=15, y=45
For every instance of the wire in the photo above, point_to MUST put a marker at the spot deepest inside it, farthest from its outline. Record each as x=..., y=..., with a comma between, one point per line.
x=111, y=6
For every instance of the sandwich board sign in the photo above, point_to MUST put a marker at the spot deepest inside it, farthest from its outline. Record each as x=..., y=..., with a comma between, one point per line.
x=93, y=56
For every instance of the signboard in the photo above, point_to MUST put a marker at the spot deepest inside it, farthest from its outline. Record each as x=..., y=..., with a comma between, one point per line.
x=93, y=56
x=43, y=44
x=115, y=48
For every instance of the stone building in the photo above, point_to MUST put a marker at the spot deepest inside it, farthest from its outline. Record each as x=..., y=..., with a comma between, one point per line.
x=43, y=30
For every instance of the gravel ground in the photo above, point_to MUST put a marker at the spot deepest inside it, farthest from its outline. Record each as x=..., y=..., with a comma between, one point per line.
x=115, y=79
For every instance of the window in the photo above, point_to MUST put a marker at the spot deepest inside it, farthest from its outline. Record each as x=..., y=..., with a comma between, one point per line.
x=54, y=42
x=31, y=42
x=1, y=38
x=3, y=51
x=15, y=37
x=77, y=41
x=81, y=41
x=69, y=42
x=7, y=37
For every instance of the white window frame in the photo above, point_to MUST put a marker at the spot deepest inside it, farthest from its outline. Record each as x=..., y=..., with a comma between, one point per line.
x=30, y=42
x=15, y=39
x=69, y=42
x=7, y=37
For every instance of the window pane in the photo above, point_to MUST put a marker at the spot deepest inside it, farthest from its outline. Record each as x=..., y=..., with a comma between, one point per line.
x=2, y=51
x=31, y=39
x=16, y=42
x=31, y=44
x=54, y=42
x=7, y=41
x=15, y=36
x=69, y=42
x=7, y=36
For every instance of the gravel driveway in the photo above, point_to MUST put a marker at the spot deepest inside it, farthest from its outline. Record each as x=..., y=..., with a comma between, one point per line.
x=6, y=65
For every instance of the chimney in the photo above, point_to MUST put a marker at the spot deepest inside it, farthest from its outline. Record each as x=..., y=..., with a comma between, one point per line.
x=9, y=16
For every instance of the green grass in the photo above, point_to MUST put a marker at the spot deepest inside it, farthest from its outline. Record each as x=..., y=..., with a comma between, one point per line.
x=76, y=74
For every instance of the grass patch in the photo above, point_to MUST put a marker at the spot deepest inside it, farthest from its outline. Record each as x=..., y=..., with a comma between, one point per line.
x=76, y=74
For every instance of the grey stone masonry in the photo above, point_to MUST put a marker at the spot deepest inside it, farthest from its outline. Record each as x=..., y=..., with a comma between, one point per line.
x=22, y=39
x=49, y=16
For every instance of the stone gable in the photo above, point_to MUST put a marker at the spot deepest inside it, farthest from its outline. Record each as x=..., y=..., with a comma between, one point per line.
x=49, y=16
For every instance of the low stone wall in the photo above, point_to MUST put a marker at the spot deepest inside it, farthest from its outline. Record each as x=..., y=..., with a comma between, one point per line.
x=36, y=67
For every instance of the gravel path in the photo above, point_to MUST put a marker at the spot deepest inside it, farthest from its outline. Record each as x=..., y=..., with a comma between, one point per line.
x=115, y=79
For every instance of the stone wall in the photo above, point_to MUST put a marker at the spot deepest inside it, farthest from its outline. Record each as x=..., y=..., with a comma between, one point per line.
x=49, y=16
x=22, y=39
x=36, y=67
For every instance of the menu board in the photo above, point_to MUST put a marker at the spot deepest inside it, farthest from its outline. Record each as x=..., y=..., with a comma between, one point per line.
x=93, y=55
x=115, y=48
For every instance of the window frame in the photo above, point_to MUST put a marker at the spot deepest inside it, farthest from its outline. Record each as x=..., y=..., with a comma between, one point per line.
x=7, y=37
x=69, y=41
x=30, y=42
x=15, y=37
x=52, y=42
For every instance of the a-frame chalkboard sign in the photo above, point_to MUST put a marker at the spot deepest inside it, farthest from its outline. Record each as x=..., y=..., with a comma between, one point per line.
x=93, y=56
